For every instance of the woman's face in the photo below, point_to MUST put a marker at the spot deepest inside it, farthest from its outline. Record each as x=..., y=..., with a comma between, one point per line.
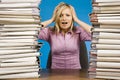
x=65, y=19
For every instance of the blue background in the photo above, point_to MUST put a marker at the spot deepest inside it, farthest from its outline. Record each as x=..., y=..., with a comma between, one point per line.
x=82, y=7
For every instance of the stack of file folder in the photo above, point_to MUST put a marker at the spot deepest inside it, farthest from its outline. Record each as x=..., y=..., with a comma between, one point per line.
x=105, y=47
x=19, y=48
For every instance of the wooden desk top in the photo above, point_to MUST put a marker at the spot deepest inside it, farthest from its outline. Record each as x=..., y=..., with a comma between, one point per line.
x=62, y=75
x=65, y=75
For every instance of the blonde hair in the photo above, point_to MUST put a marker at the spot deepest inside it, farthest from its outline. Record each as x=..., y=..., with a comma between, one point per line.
x=59, y=10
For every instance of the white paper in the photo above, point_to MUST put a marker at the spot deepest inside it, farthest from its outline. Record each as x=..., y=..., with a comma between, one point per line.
x=16, y=44
x=18, y=64
x=17, y=37
x=19, y=5
x=18, y=48
x=106, y=47
x=106, y=8
x=108, y=77
x=22, y=75
x=3, y=57
x=24, y=59
x=109, y=4
x=19, y=11
x=108, y=59
x=20, y=33
x=18, y=71
x=18, y=68
x=108, y=14
x=109, y=21
x=106, y=41
x=3, y=52
x=17, y=16
x=19, y=1
x=109, y=17
x=17, y=20
x=107, y=70
x=108, y=65
x=105, y=53
x=104, y=35
x=21, y=25
x=106, y=0
x=19, y=41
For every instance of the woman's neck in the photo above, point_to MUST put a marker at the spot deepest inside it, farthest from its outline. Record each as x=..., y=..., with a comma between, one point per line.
x=64, y=31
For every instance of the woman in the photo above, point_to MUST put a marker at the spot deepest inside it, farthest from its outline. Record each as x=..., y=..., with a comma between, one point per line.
x=64, y=37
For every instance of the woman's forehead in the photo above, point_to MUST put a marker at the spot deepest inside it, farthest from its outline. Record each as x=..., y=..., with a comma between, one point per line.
x=66, y=10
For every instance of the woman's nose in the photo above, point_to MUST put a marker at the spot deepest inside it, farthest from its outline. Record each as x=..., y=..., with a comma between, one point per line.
x=64, y=17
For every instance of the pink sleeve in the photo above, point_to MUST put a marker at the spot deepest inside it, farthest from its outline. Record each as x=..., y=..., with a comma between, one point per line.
x=44, y=34
x=84, y=36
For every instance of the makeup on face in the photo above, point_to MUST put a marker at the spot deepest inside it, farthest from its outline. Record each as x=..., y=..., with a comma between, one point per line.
x=65, y=19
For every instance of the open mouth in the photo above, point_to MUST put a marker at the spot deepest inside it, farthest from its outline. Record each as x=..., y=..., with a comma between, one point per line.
x=64, y=22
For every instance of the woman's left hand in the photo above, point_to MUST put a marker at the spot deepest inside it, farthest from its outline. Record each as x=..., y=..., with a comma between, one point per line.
x=75, y=18
x=81, y=23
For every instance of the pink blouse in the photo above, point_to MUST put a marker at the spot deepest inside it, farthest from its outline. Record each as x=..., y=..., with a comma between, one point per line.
x=65, y=49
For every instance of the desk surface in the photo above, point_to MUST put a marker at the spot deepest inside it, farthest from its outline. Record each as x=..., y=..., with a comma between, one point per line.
x=65, y=75
x=62, y=75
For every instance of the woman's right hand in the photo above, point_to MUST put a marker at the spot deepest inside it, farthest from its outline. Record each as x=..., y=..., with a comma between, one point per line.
x=47, y=22
x=53, y=18
x=54, y=14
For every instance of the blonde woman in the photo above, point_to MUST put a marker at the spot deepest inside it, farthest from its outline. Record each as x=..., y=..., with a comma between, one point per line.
x=64, y=38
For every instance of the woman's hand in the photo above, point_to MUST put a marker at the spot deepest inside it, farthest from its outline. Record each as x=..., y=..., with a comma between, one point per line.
x=46, y=23
x=75, y=18
x=54, y=14
x=81, y=23
x=52, y=19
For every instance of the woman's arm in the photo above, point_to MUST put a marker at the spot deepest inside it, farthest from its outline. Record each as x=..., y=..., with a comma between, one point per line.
x=46, y=23
x=84, y=25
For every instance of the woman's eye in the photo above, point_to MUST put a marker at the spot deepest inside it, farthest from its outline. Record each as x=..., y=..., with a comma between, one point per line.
x=61, y=15
x=67, y=15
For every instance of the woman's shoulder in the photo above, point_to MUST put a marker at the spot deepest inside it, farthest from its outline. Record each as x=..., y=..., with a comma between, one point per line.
x=51, y=28
x=78, y=29
x=47, y=29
